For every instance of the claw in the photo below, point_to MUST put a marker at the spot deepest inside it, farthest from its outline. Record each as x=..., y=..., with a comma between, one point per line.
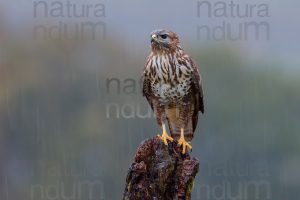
x=181, y=142
x=165, y=137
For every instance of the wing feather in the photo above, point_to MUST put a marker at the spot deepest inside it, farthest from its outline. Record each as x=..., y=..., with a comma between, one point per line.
x=197, y=93
x=147, y=92
x=197, y=85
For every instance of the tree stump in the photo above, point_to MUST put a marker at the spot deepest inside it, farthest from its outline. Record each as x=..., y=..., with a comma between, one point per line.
x=160, y=172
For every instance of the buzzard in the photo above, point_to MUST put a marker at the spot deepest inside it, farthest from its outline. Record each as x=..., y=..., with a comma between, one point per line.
x=172, y=85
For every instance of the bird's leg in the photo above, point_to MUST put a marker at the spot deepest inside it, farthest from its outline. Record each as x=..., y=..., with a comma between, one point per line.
x=183, y=143
x=164, y=137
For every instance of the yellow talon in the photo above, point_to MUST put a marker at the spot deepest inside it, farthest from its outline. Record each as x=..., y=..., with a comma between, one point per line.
x=165, y=137
x=183, y=143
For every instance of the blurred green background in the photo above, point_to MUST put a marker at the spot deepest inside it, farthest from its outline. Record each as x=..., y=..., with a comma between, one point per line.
x=72, y=113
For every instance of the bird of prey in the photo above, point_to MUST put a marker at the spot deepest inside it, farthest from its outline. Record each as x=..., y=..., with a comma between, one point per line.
x=173, y=87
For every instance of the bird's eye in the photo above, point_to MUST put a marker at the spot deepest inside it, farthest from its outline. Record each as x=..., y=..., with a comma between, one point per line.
x=164, y=36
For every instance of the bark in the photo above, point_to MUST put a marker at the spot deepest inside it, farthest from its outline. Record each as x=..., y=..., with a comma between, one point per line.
x=160, y=172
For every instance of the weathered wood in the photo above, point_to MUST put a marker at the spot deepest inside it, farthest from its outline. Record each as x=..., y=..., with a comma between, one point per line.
x=160, y=172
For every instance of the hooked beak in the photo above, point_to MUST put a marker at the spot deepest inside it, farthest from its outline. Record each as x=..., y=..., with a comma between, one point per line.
x=153, y=38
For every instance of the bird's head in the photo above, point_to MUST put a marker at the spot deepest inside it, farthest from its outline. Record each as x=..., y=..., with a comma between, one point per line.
x=163, y=41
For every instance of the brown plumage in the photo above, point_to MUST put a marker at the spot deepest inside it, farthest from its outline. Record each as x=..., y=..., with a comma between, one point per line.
x=172, y=85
